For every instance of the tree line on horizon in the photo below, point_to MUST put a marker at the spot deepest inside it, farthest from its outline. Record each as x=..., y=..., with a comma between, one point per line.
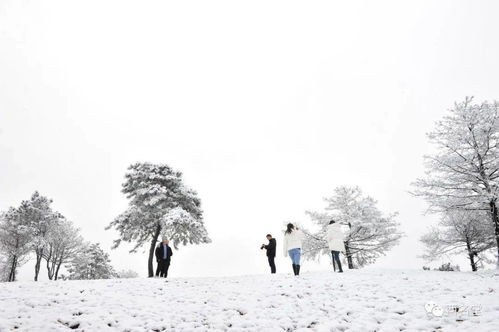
x=461, y=186
x=33, y=230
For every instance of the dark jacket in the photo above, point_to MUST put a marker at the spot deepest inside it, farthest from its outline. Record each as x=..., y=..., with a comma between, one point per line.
x=160, y=254
x=271, y=248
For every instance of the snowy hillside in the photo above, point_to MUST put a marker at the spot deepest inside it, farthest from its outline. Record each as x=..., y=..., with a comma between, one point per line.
x=367, y=300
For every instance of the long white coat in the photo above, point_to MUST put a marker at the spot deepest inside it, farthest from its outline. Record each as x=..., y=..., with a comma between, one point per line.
x=293, y=240
x=335, y=238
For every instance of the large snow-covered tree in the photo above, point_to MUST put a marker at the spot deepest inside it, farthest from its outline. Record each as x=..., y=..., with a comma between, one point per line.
x=91, y=263
x=63, y=243
x=15, y=241
x=160, y=204
x=460, y=231
x=463, y=173
x=37, y=213
x=369, y=233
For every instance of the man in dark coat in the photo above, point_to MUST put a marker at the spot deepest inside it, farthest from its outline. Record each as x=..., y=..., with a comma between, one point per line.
x=270, y=252
x=163, y=255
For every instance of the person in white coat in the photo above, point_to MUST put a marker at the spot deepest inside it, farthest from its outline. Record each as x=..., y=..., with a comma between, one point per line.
x=335, y=240
x=293, y=238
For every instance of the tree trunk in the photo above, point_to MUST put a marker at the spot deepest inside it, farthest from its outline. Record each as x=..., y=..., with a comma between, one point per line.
x=471, y=255
x=39, y=253
x=57, y=269
x=12, y=275
x=349, y=256
x=495, y=220
x=50, y=270
x=13, y=267
x=150, y=267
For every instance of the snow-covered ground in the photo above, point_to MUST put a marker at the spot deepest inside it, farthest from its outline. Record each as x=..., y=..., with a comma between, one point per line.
x=365, y=300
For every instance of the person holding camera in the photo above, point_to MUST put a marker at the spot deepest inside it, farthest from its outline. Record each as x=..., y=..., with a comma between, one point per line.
x=270, y=252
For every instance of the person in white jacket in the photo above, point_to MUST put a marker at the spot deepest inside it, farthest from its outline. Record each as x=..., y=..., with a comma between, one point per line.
x=293, y=238
x=335, y=240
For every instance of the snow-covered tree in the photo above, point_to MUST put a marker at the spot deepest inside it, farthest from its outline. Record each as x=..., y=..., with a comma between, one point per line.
x=91, y=263
x=15, y=241
x=37, y=213
x=159, y=203
x=460, y=231
x=63, y=243
x=463, y=173
x=369, y=233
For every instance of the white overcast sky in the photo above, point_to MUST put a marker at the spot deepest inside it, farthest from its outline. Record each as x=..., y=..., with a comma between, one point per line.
x=265, y=106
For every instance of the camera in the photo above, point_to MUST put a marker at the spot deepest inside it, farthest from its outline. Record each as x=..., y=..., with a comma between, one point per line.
x=262, y=247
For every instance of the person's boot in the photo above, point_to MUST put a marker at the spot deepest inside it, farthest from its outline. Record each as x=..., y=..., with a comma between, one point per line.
x=297, y=270
x=294, y=269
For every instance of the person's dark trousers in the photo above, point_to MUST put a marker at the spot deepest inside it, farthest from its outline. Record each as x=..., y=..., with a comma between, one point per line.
x=336, y=260
x=163, y=265
x=272, y=264
x=158, y=269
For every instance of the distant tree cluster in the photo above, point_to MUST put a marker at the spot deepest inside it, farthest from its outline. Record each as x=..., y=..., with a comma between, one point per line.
x=462, y=184
x=34, y=229
x=369, y=233
x=160, y=205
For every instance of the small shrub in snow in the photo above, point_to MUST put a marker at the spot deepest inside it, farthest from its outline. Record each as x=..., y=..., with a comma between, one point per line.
x=127, y=274
x=91, y=263
x=448, y=267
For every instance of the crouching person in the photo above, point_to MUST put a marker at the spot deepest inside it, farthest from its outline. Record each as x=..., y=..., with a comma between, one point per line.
x=163, y=256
